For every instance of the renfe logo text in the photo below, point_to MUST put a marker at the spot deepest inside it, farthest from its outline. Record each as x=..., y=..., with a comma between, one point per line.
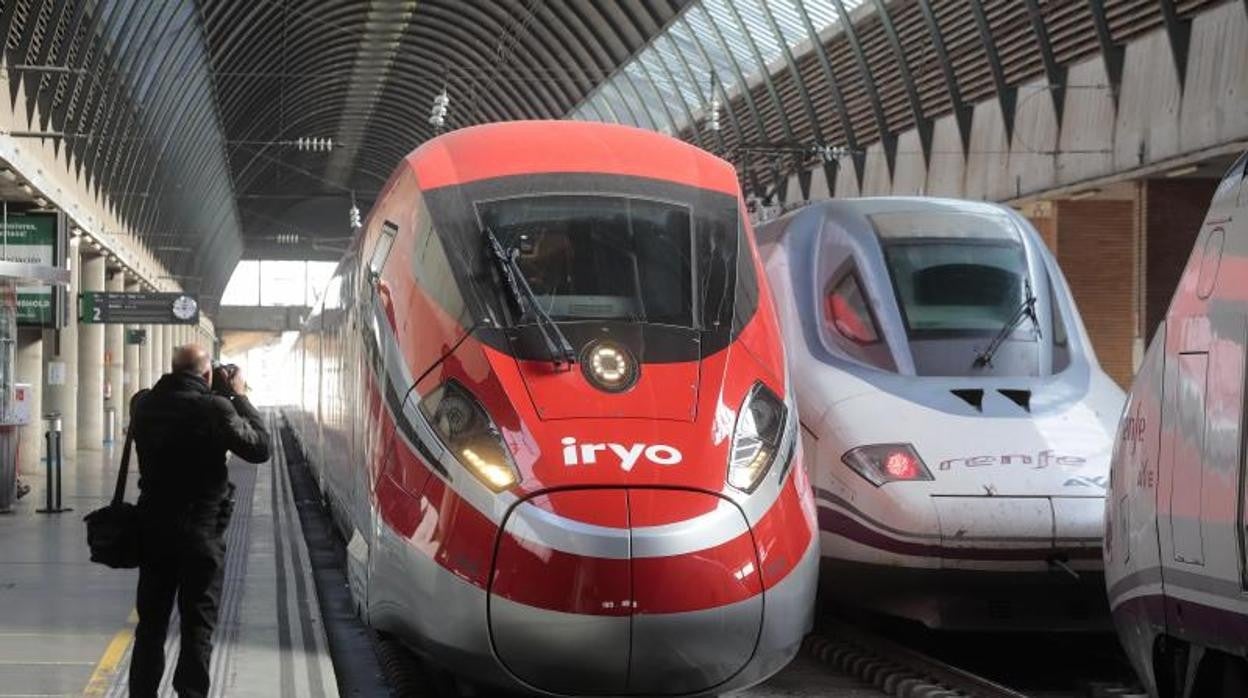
x=627, y=455
x=1041, y=460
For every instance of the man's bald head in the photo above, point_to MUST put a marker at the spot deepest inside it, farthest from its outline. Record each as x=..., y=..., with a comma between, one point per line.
x=192, y=359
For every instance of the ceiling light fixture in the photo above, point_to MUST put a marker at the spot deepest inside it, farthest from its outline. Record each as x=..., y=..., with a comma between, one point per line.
x=712, y=119
x=315, y=145
x=437, y=113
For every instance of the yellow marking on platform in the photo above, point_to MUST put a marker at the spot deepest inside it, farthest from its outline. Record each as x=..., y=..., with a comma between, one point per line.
x=106, y=668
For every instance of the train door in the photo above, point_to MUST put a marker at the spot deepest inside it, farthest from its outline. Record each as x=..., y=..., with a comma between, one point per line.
x=1183, y=418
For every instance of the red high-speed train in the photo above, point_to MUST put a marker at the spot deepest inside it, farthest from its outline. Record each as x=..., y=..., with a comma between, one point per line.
x=546, y=398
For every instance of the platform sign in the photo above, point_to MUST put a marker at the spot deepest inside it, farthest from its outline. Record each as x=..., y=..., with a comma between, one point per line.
x=31, y=238
x=96, y=307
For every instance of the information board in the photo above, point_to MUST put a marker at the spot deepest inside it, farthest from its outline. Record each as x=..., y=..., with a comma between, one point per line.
x=96, y=307
x=31, y=238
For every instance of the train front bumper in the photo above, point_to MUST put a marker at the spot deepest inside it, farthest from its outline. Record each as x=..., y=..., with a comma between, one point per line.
x=629, y=620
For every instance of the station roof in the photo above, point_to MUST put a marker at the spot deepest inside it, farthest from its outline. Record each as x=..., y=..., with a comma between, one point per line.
x=218, y=127
x=207, y=125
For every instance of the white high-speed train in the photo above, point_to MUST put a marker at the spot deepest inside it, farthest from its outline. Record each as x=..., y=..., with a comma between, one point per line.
x=1176, y=537
x=957, y=424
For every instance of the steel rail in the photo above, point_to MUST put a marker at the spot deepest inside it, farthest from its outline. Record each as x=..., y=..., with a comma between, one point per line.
x=896, y=669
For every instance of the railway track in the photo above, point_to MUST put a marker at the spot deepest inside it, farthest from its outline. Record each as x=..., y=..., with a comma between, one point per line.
x=929, y=665
x=895, y=669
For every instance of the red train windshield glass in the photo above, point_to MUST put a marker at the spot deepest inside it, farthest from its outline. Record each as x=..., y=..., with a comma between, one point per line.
x=596, y=250
x=600, y=257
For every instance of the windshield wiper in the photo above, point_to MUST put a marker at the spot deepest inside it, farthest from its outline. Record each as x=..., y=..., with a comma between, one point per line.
x=1026, y=310
x=557, y=345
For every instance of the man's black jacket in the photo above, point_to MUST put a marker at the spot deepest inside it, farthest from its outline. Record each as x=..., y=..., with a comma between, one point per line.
x=182, y=431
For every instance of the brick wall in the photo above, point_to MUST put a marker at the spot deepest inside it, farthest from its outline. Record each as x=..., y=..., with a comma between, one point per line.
x=1173, y=212
x=1097, y=252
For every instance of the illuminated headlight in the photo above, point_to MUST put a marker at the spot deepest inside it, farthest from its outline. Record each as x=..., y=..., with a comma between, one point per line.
x=609, y=366
x=470, y=435
x=757, y=438
x=884, y=463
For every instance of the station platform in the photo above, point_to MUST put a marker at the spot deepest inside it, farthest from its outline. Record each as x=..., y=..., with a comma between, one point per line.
x=67, y=624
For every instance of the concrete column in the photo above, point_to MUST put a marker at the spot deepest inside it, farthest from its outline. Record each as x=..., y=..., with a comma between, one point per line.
x=29, y=369
x=129, y=361
x=60, y=353
x=114, y=359
x=147, y=357
x=91, y=362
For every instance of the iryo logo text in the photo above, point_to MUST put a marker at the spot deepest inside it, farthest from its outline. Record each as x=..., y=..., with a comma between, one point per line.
x=628, y=455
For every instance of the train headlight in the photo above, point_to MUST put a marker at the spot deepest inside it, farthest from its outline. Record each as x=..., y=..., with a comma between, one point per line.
x=609, y=366
x=884, y=463
x=757, y=438
x=470, y=435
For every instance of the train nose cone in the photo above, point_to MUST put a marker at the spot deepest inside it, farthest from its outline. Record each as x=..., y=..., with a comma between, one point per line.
x=697, y=593
x=561, y=594
x=594, y=609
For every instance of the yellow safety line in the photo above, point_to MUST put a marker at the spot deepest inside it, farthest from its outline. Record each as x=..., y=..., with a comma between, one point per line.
x=106, y=668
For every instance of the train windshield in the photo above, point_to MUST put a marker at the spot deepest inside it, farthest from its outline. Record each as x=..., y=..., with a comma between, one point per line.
x=956, y=286
x=964, y=289
x=586, y=251
x=600, y=257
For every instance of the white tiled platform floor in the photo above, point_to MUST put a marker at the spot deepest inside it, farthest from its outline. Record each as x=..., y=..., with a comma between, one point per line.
x=66, y=624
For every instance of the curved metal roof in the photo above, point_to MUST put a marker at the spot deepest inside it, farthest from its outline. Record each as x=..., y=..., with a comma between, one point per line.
x=187, y=116
x=792, y=76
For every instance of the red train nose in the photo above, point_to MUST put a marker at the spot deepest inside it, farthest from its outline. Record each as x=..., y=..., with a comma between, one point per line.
x=578, y=608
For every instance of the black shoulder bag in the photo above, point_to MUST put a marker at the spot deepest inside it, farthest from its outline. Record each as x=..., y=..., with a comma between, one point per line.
x=113, y=531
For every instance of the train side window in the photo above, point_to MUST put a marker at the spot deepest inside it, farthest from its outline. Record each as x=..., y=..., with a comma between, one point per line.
x=852, y=325
x=845, y=309
x=432, y=269
x=381, y=251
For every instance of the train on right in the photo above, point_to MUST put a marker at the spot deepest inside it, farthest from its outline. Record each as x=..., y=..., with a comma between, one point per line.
x=1176, y=517
x=957, y=423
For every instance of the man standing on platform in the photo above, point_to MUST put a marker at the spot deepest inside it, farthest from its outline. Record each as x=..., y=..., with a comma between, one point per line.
x=183, y=428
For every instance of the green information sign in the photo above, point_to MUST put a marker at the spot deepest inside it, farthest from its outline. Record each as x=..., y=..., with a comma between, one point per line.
x=136, y=337
x=30, y=238
x=138, y=308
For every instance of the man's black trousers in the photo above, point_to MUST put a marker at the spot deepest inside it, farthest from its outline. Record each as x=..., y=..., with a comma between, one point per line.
x=183, y=560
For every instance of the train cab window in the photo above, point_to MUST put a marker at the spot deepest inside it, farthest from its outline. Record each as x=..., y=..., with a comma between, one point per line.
x=961, y=279
x=850, y=324
x=432, y=269
x=381, y=250
x=955, y=287
x=845, y=309
x=600, y=257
